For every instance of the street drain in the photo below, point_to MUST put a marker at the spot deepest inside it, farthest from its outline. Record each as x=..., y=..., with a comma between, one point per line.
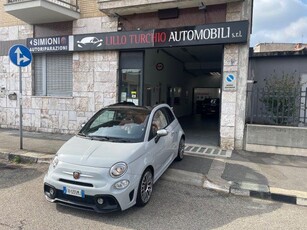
x=206, y=150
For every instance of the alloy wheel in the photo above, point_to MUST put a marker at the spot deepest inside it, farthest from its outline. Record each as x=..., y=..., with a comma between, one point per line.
x=146, y=186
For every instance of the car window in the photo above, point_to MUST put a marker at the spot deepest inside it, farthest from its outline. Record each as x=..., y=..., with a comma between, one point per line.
x=117, y=124
x=169, y=115
x=159, y=121
x=103, y=118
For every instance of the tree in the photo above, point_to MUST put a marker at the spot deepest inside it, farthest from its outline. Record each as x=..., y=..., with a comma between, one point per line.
x=281, y=98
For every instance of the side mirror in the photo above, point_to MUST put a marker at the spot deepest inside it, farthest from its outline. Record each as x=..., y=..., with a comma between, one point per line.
x=160, y=133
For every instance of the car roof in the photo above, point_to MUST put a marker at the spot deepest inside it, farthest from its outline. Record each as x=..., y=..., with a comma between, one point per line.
x=129, y=105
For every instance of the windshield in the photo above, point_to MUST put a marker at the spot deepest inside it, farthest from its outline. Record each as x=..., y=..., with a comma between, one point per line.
x=117, y=124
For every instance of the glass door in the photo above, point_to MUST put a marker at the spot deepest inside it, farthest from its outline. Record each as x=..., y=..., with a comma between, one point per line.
x=130, y=86
x=131, y=77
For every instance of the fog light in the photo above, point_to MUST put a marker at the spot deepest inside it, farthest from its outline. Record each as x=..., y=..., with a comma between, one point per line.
x=100, y=201
x=121, y=184
x=52, y=193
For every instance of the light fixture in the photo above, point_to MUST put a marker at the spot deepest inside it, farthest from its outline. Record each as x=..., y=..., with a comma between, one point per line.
x=119, y=26
x=168, y=13
x=202, y=6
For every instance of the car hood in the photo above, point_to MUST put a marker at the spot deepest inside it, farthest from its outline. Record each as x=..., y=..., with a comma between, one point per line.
x=86, y=152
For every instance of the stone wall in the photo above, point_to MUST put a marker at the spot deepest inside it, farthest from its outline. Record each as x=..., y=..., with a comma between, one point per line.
x=235, y=62
x=9, y=78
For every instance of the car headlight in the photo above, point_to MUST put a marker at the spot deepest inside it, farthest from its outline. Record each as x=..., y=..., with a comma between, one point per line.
x=55, y=161
x=118, y=169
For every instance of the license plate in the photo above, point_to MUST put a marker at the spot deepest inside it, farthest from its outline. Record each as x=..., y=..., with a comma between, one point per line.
x=73, y=192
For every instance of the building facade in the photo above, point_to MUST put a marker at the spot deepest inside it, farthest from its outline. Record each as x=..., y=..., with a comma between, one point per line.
x=88, y=54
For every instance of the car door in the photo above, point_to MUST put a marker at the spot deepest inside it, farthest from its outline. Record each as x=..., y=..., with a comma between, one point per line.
x=161, y=147
x=173, y=129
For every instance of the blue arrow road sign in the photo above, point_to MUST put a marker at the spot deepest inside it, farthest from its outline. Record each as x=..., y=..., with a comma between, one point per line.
x=20, y=55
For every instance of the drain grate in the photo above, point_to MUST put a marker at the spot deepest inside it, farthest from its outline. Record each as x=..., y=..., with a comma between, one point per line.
x=206, y=150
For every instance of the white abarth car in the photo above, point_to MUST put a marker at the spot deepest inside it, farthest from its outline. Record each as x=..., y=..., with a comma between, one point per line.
x=115, y=159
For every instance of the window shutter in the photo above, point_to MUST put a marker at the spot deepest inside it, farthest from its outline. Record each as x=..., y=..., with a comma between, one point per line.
x=59, y=74
x=38, y=75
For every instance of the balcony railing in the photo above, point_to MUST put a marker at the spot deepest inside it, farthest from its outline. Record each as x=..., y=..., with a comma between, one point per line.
x=70, y=4
x=43, y=11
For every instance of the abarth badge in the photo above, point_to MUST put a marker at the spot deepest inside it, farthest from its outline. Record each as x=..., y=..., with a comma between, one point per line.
x=76, y=175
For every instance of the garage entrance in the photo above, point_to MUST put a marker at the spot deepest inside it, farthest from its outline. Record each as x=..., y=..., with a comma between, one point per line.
x=186, y=78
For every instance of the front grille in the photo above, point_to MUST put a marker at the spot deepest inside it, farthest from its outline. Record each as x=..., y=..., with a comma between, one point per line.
x=76, y=183
x=86, y=200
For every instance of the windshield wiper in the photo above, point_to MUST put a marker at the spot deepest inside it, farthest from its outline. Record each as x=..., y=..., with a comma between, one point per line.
x=118, y=139
x=99, y=138
x=81, y=134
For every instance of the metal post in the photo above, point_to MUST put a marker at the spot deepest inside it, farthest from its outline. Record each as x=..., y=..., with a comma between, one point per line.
x=305, y=106
x=20, y=107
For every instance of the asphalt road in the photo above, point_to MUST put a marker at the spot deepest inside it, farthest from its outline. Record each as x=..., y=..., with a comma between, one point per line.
x=173, y=206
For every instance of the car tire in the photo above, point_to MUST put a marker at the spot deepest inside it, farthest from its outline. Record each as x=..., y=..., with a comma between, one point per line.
x=145, y=188
x=180, y=149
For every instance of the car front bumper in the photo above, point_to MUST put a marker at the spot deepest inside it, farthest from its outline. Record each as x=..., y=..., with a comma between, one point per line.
x=98, y=185
x=110, y=203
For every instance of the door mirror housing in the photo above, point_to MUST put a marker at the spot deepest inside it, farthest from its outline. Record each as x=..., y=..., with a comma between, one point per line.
x=160, y=133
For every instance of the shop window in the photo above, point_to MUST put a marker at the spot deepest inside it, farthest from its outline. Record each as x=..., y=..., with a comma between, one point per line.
x=53, y=75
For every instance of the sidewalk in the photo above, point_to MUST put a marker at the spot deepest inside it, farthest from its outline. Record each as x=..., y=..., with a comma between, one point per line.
x=263, y=175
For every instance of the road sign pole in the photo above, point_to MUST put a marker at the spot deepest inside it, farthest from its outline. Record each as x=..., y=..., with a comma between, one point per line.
x=21, y=57
x=20, y=107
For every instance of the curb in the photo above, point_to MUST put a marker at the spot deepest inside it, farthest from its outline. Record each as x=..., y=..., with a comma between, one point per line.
x=268, y=193
x=27, y=157
x=239, y=189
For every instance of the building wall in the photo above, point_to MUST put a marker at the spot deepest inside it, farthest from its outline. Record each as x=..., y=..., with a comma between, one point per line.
x=236, y=63
x=262, y=68
x=89, y=9
x=7, y=19
x=186, y=17
x=273, y=47
x=94, y=78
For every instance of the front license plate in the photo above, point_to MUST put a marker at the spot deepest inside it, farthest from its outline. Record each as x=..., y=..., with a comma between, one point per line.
x=73, y=192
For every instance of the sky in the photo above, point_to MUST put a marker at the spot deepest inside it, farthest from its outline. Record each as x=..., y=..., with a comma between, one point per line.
x=279, y=21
